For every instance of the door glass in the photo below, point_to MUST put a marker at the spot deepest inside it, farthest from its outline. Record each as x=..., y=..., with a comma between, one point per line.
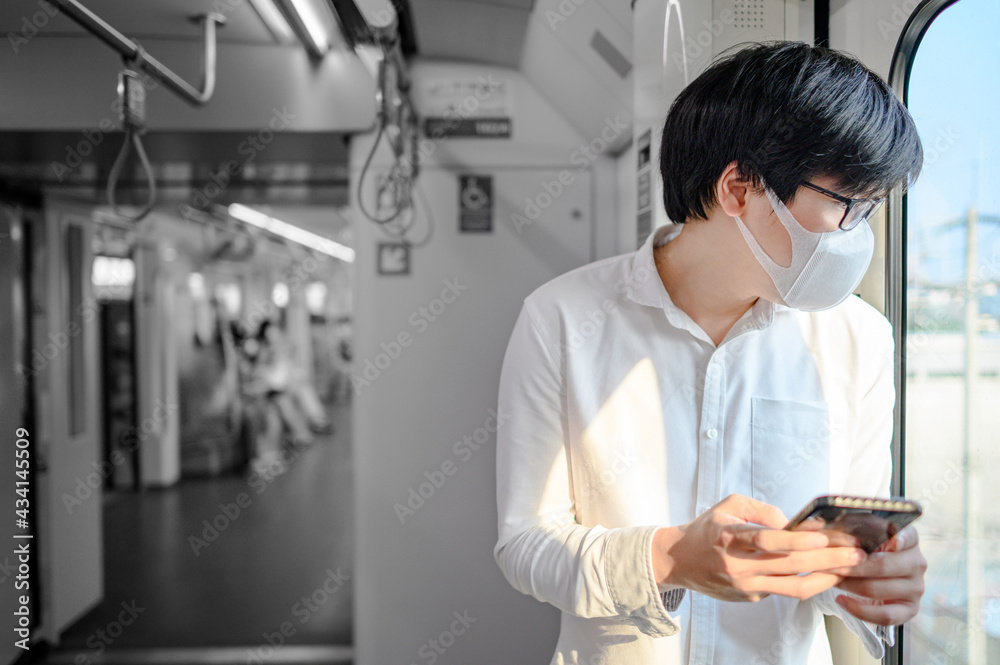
x=952, y=390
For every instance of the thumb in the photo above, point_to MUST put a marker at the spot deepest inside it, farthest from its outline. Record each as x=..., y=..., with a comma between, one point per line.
x=752, y=510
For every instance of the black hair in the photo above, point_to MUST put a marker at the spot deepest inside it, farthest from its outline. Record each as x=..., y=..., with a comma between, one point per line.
x=785, y=112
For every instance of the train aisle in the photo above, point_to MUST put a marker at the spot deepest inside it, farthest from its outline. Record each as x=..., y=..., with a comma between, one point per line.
x=235, y=561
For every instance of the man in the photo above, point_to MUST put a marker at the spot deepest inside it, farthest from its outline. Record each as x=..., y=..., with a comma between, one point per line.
x=670, y=407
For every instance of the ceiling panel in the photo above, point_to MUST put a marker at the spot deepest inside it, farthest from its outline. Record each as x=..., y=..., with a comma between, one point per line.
x=473, y=31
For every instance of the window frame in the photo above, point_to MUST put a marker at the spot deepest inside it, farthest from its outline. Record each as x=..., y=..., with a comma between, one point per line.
x=895, y=256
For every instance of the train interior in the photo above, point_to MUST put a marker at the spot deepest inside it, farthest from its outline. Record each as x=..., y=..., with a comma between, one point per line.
x=260, y=259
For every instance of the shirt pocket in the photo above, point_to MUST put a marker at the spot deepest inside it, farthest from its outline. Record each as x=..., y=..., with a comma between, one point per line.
x=790, y=454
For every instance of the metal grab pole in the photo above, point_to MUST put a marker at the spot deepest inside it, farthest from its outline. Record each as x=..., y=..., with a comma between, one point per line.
x=130, y=50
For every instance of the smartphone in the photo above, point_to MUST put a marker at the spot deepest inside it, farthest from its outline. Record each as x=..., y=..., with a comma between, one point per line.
x=856, y=521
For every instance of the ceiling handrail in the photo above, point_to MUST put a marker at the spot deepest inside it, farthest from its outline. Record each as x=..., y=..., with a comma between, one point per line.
x=131, y=51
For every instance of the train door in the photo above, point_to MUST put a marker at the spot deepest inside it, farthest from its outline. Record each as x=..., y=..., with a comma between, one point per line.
x=113, y=278
x=65, y=395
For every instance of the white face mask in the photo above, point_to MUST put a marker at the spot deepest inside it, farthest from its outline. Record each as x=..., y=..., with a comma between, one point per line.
x=825, y=267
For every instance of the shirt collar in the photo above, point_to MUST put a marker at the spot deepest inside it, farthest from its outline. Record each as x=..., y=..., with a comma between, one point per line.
x=646, y=288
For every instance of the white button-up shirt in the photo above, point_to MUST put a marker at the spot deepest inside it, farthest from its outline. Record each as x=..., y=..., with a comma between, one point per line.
x=623, y=416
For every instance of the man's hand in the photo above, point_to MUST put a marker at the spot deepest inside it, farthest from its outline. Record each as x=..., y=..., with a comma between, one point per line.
x=723, y=553
x=891, y=581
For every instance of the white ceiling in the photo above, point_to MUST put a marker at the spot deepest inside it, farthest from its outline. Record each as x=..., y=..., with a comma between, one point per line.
x=559, y=60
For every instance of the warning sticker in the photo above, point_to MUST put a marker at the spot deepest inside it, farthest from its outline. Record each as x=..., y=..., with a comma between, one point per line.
x=475, y=203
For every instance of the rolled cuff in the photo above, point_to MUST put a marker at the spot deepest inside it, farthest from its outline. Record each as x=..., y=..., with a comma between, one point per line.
x=641, y=604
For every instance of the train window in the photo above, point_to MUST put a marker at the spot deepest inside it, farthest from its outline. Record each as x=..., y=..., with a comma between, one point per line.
x=230, y=296
x=316, y=298
x=75, y=307
x=112, y=277
x=951, y=453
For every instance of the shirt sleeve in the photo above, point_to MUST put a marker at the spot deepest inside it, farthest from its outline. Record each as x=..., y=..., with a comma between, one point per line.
x=590, y=572
x=870, y=471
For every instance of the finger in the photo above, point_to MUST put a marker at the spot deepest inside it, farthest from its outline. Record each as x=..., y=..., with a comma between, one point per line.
x=845, y=571
x=796, y=586
x=899, y=589
x=828, y=559
x=890, y=614
x=751, y=510
x=752, y=537
x=889, y=564
x=904, y=540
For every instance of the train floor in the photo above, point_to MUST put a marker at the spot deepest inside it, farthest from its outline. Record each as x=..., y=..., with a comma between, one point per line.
x=253, y=559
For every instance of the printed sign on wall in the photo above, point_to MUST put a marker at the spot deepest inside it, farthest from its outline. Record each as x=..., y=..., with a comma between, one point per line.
x=644, y=210
x=393, y=258
x=475, y=203
x=463, y=106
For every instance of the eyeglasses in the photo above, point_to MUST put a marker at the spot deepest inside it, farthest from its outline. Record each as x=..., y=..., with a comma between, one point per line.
x=857, y=211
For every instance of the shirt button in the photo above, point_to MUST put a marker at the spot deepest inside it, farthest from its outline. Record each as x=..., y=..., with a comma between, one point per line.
x=712, y=433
